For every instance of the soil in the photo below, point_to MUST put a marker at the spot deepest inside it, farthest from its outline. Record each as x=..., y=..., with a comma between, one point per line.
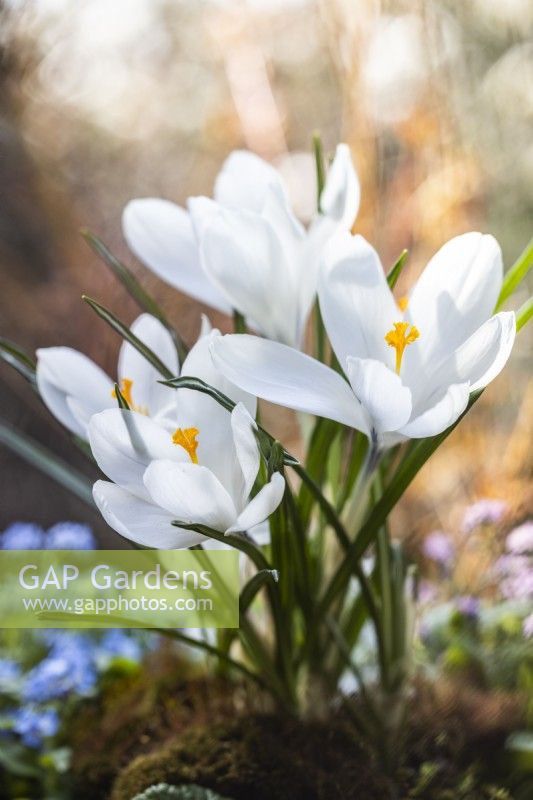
x=165, y=725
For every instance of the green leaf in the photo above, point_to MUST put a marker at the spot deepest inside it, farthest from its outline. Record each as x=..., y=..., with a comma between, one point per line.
x=524, y=314
x=239, y=322
x=254, y=585
x=13, y=355
x=130, y=337
x=121, y=400
x=133, y=287
x=198, y=385
x=239, y=542
x=50, y=464
x=396, y=271
x=320, y=168
x=516, y=274
x=13, y=758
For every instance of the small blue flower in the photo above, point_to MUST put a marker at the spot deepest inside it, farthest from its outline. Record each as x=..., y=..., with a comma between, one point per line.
x=70, y=536
x=23, y=536
x=9, y=671
x=117, y=644
x=33, y=724
x=68, y=668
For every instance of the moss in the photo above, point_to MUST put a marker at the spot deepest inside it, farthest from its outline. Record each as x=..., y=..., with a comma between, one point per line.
x=263, y=757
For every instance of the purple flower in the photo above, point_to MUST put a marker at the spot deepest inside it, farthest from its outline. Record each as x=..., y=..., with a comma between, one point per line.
x=23, y=536
x=520, y=540
x=427, y=592
x=70, y=536
x=468, y=606
x=527, y=627
x=484, y=512
x=439, y=547
x=117, y=644
x=516, y=576
x=34, y=724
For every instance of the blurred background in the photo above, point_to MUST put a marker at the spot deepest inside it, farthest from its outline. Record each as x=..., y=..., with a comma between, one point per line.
x=104, y=101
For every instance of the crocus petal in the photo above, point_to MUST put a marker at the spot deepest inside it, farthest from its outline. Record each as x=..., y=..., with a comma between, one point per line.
x=161, y=236
x=356, y=303
x=198, y=410
x=139, y=521
x=456, y=293
x=125, y=442
x=341, y=194
x=261, y=506
x=380, y=392
x=63, y=372
x=243, y=256
x=483, y=356
x=246, y=451
x=147, y=392
x=191, y=493
x=445, y=411
x=244, y=180
x=285, y=376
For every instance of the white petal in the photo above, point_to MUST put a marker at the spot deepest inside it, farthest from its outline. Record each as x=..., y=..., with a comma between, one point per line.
x=445, y=411
x=191, y=493
x=242, y=254
x=124, y=443
x=483, y=356
x=381, y=393
x=161, y=236
x=356, y=303
x=244, y=180
x=456, y=293
x=341, y=194
x=139, y=521
x=246, y=450
x=146, y=391
x=261, y=507
x=198, y=410
x=63, y=372
x=287, y=377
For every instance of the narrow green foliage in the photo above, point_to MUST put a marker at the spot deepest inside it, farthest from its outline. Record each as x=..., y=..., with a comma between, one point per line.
x=254, y=585
x=126, y=277
x=318, y=152
x=524, y=314
x=47, y=462
x=396, y=271
x=121, y=400
x=239, y=322
x=13, y=355
x=128, y=336
x=516, y=274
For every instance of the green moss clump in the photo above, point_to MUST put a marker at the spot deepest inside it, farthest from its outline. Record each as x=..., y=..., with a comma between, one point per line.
x=260, y=758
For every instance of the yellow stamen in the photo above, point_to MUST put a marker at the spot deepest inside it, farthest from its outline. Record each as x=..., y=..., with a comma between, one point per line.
x=186, y=438
x=403, y=302
x=399, y=337
x=126, y=385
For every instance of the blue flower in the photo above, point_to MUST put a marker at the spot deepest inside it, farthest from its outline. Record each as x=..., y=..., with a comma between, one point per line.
x=34, y=724
x=68, y=668
x=9, y=671
x=117, y=643
x=23, y=536
x=70, y=536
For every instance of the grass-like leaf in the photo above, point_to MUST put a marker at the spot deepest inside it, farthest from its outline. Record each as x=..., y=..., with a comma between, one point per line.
x=254, y=585
x=516, y=274
x=133, y=287
x=524, y=314
x=47, y=462
x=396, y=271
x=13, y=355
x=130, y=337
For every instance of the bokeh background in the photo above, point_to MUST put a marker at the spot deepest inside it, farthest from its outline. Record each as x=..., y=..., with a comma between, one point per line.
x=102, y=101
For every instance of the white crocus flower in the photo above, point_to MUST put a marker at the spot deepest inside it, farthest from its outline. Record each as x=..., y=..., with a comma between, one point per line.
x=203, y=473
x=74, y=388
x=245, y=250
x=410, y=365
